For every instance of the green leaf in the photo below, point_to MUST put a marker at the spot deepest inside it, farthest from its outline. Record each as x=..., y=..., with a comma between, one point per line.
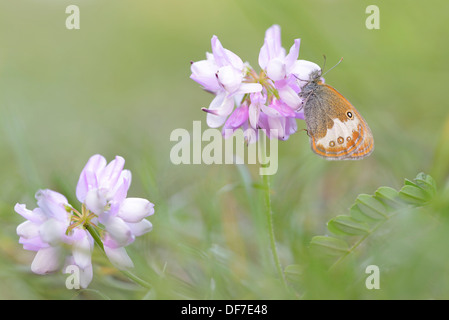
x=358, y=215
x=389, y=197
x=387, y=193
x=427, y=183
x=408, y=182
x=345, y=225
x=371, y=207
x=293, y=272
x=329, y=245
x=414, y=195
x=369, y=212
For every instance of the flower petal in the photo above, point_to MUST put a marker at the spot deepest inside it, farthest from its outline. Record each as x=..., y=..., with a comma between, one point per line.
x=36, y=216
x=220, y=107
x=271, y=48
x=109, y=176
x=230, y=78
x=276, y=69
x=88, y=179
x=204, y=72
x=299, y=114
x=85, y=274
x=237, y=118
x=224, y=57
x=118, y=194
x=82, y=251
x=46, y=260
x=292, y=56
x=52, y=204
x=253, y=115
x=302, y=70
x=52, y=231
x=96, y=201
x=28, y=230
x=141, y=227
x=33, y=244
x=135, y=209
x=119, y=258
x=118, y=231
x=249, y=88
x=290, y=98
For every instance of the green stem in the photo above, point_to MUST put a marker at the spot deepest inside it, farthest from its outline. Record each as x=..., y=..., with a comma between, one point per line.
x=136, y=279
x=269, y=215
x=93, y=232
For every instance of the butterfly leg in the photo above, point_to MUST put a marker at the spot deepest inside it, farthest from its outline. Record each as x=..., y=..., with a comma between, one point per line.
x=307, y=131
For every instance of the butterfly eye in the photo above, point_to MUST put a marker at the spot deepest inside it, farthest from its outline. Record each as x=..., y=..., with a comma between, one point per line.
x=349, y=114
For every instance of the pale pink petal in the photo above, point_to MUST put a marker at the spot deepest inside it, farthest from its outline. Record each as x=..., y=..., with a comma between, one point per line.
x=36, y=215
x=141, y=227
x=96, y=200
x=134, y=210
x=230, y=78
x=85, y=274
x=290, y=98
x=219, y=110
x=292, y=56
x=223, y=56
x=204, y=72
x=119, y=258
x=88, y=179
x=237, y=118
x=82, y=251
x=120, y=191
x=28, y=230
x=47, y=260
x=253, y=113
x=276, y=69
x=52, y=204
x=109, y=176
x=33, y=244
x=272, y=47
x=302, y=70
x=249, y=88
x=300, y=114
x=119, y=231
x=52, y=231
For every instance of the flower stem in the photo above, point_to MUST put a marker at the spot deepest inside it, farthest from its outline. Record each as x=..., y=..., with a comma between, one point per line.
x=269, y=214
x=94, y=233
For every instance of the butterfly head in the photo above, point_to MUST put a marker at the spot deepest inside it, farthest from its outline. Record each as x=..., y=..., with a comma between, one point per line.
x=315, y=76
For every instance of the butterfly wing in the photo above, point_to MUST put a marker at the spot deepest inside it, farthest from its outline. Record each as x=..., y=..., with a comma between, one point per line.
x=336, y=129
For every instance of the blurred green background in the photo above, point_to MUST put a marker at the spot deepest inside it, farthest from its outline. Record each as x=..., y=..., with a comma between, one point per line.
x=120, y=85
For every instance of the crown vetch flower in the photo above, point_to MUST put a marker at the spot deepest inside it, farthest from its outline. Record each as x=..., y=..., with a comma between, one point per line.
x=103, y=189
x=55, y=225
x=50, y=228
x=222, y=73
x=274, y=105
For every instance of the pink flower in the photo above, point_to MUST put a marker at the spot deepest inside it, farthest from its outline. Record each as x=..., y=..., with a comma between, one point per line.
x=247, y=100
x=48, y=229
x=222, y=73
x=103, y=189
x=106, y=211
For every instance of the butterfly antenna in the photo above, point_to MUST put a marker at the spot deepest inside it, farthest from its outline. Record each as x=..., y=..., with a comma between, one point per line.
x=333, y=66
x=324, y=62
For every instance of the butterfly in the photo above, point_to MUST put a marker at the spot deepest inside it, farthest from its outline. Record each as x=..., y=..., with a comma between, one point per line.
x=335, y=128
